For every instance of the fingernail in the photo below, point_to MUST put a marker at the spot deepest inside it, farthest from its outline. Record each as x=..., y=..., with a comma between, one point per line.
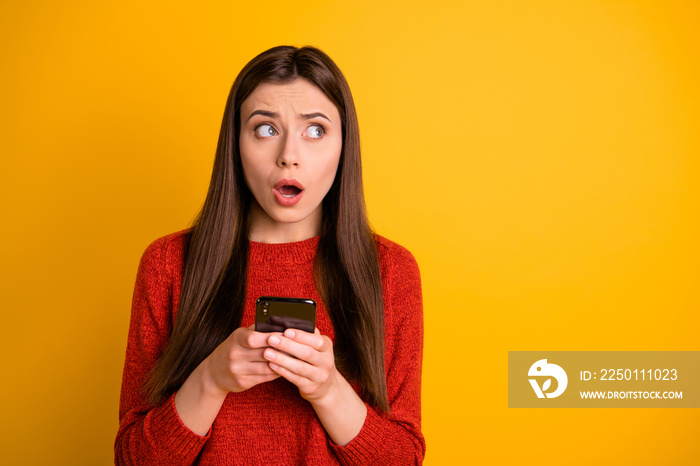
x=269, y=354
x=274, y=367
x=274, y=340
x=289, y=333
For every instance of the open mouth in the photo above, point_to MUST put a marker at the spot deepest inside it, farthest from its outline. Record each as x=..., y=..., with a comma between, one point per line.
x=288, y=191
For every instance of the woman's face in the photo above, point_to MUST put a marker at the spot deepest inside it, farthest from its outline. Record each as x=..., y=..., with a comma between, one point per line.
x=290, y=144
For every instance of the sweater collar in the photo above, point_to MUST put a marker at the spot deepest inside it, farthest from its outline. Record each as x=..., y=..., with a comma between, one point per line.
x=289, y=253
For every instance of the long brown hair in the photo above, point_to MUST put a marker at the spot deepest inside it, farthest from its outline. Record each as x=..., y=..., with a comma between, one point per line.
x=346, y=265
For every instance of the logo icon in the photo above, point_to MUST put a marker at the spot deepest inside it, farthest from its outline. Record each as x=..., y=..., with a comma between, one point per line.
x=542, y=369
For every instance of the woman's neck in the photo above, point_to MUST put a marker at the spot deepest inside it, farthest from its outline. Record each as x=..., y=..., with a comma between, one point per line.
x=264, y=229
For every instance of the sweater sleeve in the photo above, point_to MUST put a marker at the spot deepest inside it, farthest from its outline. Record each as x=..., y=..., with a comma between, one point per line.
x=147, y=434
x=395, y=438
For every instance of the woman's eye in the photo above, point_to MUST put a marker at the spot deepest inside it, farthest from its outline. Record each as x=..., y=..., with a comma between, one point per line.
x=265, y=131
x=315, y=131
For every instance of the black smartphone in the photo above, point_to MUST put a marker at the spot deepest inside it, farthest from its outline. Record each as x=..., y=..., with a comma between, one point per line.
x=275, y=314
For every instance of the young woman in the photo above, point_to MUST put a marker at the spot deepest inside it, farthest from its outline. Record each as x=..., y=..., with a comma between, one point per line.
x=284, y=216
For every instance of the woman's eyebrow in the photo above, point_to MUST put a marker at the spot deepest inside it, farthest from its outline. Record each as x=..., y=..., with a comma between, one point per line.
x=308, y=116
x=263, y=113
x=303, y=116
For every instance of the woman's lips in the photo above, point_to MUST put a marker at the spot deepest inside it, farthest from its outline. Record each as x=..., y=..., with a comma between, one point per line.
x=288, y=192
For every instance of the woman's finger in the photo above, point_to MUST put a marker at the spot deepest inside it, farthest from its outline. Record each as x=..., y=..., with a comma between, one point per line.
x=281, y=371
x=292, y=364
x=247, y=355
x=301, y=351
x=249, y=338
x=256, y=368
x=315, y=340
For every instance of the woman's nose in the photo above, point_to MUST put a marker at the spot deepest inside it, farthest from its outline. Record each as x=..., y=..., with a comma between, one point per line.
x=289, y=152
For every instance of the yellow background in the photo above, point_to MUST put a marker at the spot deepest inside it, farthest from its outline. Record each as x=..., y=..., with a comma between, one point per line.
x=540, y=159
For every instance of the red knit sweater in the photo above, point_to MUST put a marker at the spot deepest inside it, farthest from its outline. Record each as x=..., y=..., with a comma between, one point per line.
x=270, y=423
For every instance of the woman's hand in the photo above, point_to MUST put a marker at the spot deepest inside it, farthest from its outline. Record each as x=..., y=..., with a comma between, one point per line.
x=235, y=365
x=238, y=364
x=307, y=360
